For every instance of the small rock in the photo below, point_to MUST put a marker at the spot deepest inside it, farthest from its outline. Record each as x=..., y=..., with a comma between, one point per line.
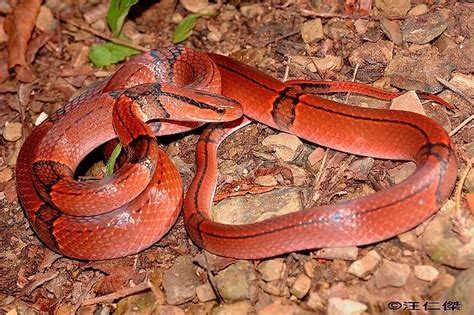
x=442, y=244
x=266, y=180
x=315, y=301
x=41, y=117
x=391, y=274
x=315, y=64
x=464, y=82
x=372, y=59
x=12, y=131
x=252, y=11
x=419, y=9
x=249, y=208
x=312, y=31
x=194, y=6
x=298, y=174
x=234, y=282
x=215, y=36
x=272, y=269
x=275, y=288
x=5, y=175
x=398, y=7
x=277, y=308
x=141, y=303
x=441, y=285
x=316, y=156
x=361, y=168
x=344, y=253
x=286, y=146
x=166, y=310
x=366, y=265
x=409, y=102
x=243, y=307
x=45, y=21
x=409, y=238
x=301, y=286
x=426, y=272
x=392, y=30
x=423, y=29
x=180, y=281
x=338, y=306
x=336, y=29
x=419, y=74
x=205, y=293
x=308, y=267
x=445, y=43
x=97, y=13
x=462, y=292
x=401, y=172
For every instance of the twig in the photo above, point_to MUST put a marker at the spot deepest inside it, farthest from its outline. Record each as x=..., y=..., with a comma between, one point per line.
x=39, y=280
x=118, y=294
x=106, y=37
x=461, y=125
x=85, y=292
x=276, y=39
x=353, y=79
x=454, y=89
x=312, y=13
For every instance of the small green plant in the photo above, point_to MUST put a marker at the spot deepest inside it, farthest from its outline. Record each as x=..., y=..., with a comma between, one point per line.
x=185, y=29
x=110, y=53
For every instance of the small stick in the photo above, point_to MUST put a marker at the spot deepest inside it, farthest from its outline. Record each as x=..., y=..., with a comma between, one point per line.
x=118, y=294
x=454, y=89
x=461, y=125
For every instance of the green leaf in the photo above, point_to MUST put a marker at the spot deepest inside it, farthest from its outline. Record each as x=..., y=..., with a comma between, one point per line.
x=113, y=159
x=109, y=53
x=185, y=28
x=118, y=10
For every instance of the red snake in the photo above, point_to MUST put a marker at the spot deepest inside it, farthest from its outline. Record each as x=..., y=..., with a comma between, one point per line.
x=178, y=89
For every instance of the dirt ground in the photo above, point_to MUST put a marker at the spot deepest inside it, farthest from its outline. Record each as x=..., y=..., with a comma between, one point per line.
x=395, y=45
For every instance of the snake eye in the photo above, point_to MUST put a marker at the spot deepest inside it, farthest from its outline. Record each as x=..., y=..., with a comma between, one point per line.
x=220, y=110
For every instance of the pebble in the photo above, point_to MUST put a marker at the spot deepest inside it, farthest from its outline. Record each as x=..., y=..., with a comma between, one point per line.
x=338, y=306
x=251, y=208
x=205, y=293
x=392, y=30
x=441, y=285
x=419, y=9
x=242, y=307
x=426, y=272
x=277, y=308
x=299, y=175
x=141, y=303
x=316, y=156
x=45, y=21
x=234, y=282
x=409, y=238
x=309, y=266
x=194, y=6
x=251, y=11
x=315, y=301
x=301, y=286
x=180, y=281
x=409, y=102
x=389, y=7
x=266, y=180
x=391, y=274
x=361, y=168
x=401, y=172
x=442, y=244
x=312, y=31
x=464, y=82
x=12, y=131
x=372, y=59
x=366, y=265
x=419, y=73
x=286, y=146
x=272, y=269
x=5, y=175
x=336, y=29
x=422, y=30
x=344, y=253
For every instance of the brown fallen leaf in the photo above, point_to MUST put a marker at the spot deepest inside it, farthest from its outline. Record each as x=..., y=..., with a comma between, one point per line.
x=19, y=25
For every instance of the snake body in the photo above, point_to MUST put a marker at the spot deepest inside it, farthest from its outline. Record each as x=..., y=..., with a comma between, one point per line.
x=131, y=210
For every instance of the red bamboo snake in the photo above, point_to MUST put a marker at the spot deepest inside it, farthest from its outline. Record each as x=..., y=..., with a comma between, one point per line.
x=176, y=89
